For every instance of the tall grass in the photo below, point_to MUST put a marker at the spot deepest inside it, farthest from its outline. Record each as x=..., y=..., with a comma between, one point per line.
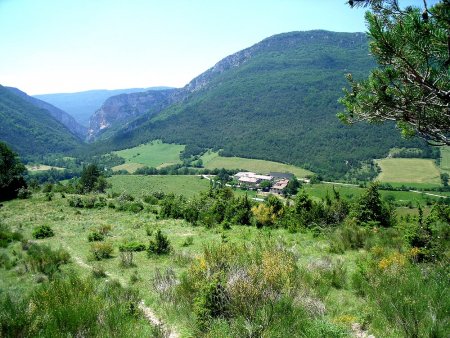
x=73, y=307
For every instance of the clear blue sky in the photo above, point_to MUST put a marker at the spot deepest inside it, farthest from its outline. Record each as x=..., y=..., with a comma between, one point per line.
x=50, y=46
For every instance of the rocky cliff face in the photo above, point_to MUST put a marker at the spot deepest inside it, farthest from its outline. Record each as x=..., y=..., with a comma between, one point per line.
x=60, y=115
x=123, y=108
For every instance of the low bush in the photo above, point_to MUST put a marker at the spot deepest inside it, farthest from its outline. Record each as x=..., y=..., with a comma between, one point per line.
x=160, y=245
x=245, y=290
x=43, y=231
x=95, y=236
x=101, y=250
x=41, y=258
x=132, y=246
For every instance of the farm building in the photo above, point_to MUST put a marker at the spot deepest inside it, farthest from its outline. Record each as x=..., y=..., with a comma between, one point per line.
x=278, y=187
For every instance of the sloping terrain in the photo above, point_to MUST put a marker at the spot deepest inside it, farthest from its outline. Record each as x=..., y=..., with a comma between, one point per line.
x=57, y=113
x=276, y=100
x=30, y=130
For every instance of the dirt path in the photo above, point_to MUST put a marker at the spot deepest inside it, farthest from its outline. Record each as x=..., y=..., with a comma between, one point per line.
x=149, y=314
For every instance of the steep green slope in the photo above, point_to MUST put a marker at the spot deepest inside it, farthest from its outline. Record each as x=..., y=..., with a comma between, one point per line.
x=30, y=130
x=276, y=100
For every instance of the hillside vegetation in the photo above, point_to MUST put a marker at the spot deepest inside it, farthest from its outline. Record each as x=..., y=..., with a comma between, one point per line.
x=31, y=131
x=276, y=100
x=220, y=265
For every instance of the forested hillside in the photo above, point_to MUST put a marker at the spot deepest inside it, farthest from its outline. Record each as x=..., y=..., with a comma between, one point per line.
x=60, y=115
x=30, y=130
x=276, y=100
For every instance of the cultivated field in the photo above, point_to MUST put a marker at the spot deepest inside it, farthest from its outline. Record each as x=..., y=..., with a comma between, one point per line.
x=212, y=160
x=408, y=170
x=138, y=185
x=155, y=154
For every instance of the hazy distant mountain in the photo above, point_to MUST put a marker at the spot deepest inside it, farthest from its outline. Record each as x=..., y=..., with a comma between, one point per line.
x=276, y=100
x=30, y=130
x=117, y=110
x=82, y=105
x=57, y=113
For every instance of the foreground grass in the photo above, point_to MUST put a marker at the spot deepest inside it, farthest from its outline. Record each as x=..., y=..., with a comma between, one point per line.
x=212, y=160
x=72, y=227
x=138, y=185
x=408, y=170
x=155, y=154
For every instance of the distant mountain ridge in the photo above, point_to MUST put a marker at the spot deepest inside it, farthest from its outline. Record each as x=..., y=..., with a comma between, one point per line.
x=30, y=130
x=276, y=100
x=81, y=105
x=57, y=113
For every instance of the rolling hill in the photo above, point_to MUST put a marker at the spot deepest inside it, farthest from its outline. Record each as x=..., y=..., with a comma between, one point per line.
x=276, y=100
x=30, y=130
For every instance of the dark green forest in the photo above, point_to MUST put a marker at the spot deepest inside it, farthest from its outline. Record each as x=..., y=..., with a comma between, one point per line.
x=30, y=130
x=279, y=104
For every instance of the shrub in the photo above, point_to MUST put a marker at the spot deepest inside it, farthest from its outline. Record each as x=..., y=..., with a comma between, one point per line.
x=101, y=250
x=41, y=258
x=24, y=193
x=132, y=246
x=160, y=245
x=43, y=231
x=95, y=236
x=76, y=202
x=99, y=272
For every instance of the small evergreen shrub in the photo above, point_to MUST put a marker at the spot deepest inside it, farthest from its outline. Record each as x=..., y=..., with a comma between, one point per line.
x=43, y=231
x=160, y=245
x=95, y=236
x=132, y=246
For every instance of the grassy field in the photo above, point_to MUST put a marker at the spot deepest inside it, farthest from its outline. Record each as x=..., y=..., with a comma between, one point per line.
x=72, y=226
x=445, y=159
x=155, y=154
x=178, y=184
x=212, y=160
x=408, y=170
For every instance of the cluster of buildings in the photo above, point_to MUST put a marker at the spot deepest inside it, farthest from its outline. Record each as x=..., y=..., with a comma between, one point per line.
x=278, y=181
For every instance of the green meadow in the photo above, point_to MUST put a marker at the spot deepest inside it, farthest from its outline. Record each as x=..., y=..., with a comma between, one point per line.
x=138, y=185
x=212, y=160
x=408, y=170
x=154, y=154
